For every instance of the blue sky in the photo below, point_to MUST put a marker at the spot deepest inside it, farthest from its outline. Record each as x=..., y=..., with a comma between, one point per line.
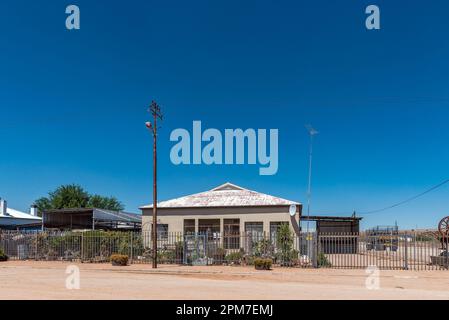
x=73, y=103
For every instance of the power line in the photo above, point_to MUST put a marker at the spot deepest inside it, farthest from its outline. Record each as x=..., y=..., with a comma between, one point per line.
x=407, y=200
x=393, y=205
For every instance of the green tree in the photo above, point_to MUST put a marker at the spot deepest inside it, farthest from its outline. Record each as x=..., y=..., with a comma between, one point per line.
x=69, y=196
x=109, y=203
x=74, y=196
x=43, y=204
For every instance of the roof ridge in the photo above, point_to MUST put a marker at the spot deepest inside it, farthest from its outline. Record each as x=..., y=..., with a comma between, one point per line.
x=230, y=195
x=228, y=184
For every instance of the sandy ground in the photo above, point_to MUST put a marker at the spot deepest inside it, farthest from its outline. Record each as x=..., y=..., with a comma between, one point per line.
x=47, y=280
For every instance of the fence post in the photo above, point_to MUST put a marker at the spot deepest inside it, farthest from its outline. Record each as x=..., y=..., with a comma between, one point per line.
x=132, y=236
x=36, y=247
x=445, y=251
x=82, y=247
x=315, y=244
x=405, y=252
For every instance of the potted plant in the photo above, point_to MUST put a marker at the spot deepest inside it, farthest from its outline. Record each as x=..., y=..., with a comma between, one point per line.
x=3, y=256
x=263, y=264
x=119, y=260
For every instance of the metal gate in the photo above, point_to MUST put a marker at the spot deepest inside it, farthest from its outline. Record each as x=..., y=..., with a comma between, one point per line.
x=195, y=249
x=307, y=244
x=395, y=251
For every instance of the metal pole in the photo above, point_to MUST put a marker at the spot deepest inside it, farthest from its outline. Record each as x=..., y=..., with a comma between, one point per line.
x=309, y=189
x=156, y=113
x=155, y=192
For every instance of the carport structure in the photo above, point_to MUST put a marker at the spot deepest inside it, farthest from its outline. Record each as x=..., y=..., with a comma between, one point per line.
x=330, y=224
x=91, y=219
x=347, y=230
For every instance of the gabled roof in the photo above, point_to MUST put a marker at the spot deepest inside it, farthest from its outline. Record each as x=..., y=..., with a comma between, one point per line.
x=17, y=219
x=225, y=195
x=20, y=215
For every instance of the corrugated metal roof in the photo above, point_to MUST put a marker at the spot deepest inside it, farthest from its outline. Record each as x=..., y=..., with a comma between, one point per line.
x=100, y=214
x=120, y=216
x=225, y=195
x=20, y=215
x=18, y=219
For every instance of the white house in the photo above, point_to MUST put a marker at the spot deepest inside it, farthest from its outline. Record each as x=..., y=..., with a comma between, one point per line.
x=227, y=209
x=13, y=219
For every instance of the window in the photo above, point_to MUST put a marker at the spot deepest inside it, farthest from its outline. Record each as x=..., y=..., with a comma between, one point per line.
x=211, y=227
x=254, y=230
x=162, y=231
x=189, y=226
x=253, y=234
x=231, y=233
x=254, y=227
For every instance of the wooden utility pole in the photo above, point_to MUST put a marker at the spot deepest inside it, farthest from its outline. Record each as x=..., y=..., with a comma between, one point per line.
x=157, y=114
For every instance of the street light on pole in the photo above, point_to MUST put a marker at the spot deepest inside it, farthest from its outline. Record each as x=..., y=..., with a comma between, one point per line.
x=312, y=133
x=155, y=111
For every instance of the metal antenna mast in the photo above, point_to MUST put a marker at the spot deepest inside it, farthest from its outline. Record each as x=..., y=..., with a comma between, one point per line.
x=312, y=133
x=155, y=111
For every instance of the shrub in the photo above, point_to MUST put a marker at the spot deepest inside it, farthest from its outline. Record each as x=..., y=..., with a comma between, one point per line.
x=119, y=260
x=179, y=251
x=263, y=248
x=235, y=257
x=3, y=256
x=263, y=264
x=323, y=261
x=166, y=256
x=218, y=255
x=248, y=260
x=288, y=258
x=284, y=241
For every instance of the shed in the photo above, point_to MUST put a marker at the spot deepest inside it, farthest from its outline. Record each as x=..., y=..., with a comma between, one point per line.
x=91, y=219
x=337, y=234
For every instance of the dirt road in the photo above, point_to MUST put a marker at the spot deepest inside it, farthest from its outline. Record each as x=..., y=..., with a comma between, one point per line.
x=47, y=280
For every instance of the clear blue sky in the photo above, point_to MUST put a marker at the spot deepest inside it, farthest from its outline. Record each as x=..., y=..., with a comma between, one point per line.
x=73, y=103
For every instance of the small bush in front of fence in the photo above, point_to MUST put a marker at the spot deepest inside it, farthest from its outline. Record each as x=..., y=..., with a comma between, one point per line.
x=263, y=264
x=168, y=254
x=263, y=248
x=235, y=257
x=288, y=258
x=3, y=256
x=323, y=261
x=248, y=260
x=287, y=255
x=119, y=260
x=218, y=256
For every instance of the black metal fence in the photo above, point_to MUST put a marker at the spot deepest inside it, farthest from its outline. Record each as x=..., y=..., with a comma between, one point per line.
x=342, y=250
x=173, y=248
x=407, y=251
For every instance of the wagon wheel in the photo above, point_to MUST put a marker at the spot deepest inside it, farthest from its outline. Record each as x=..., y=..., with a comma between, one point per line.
x=443, y=227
